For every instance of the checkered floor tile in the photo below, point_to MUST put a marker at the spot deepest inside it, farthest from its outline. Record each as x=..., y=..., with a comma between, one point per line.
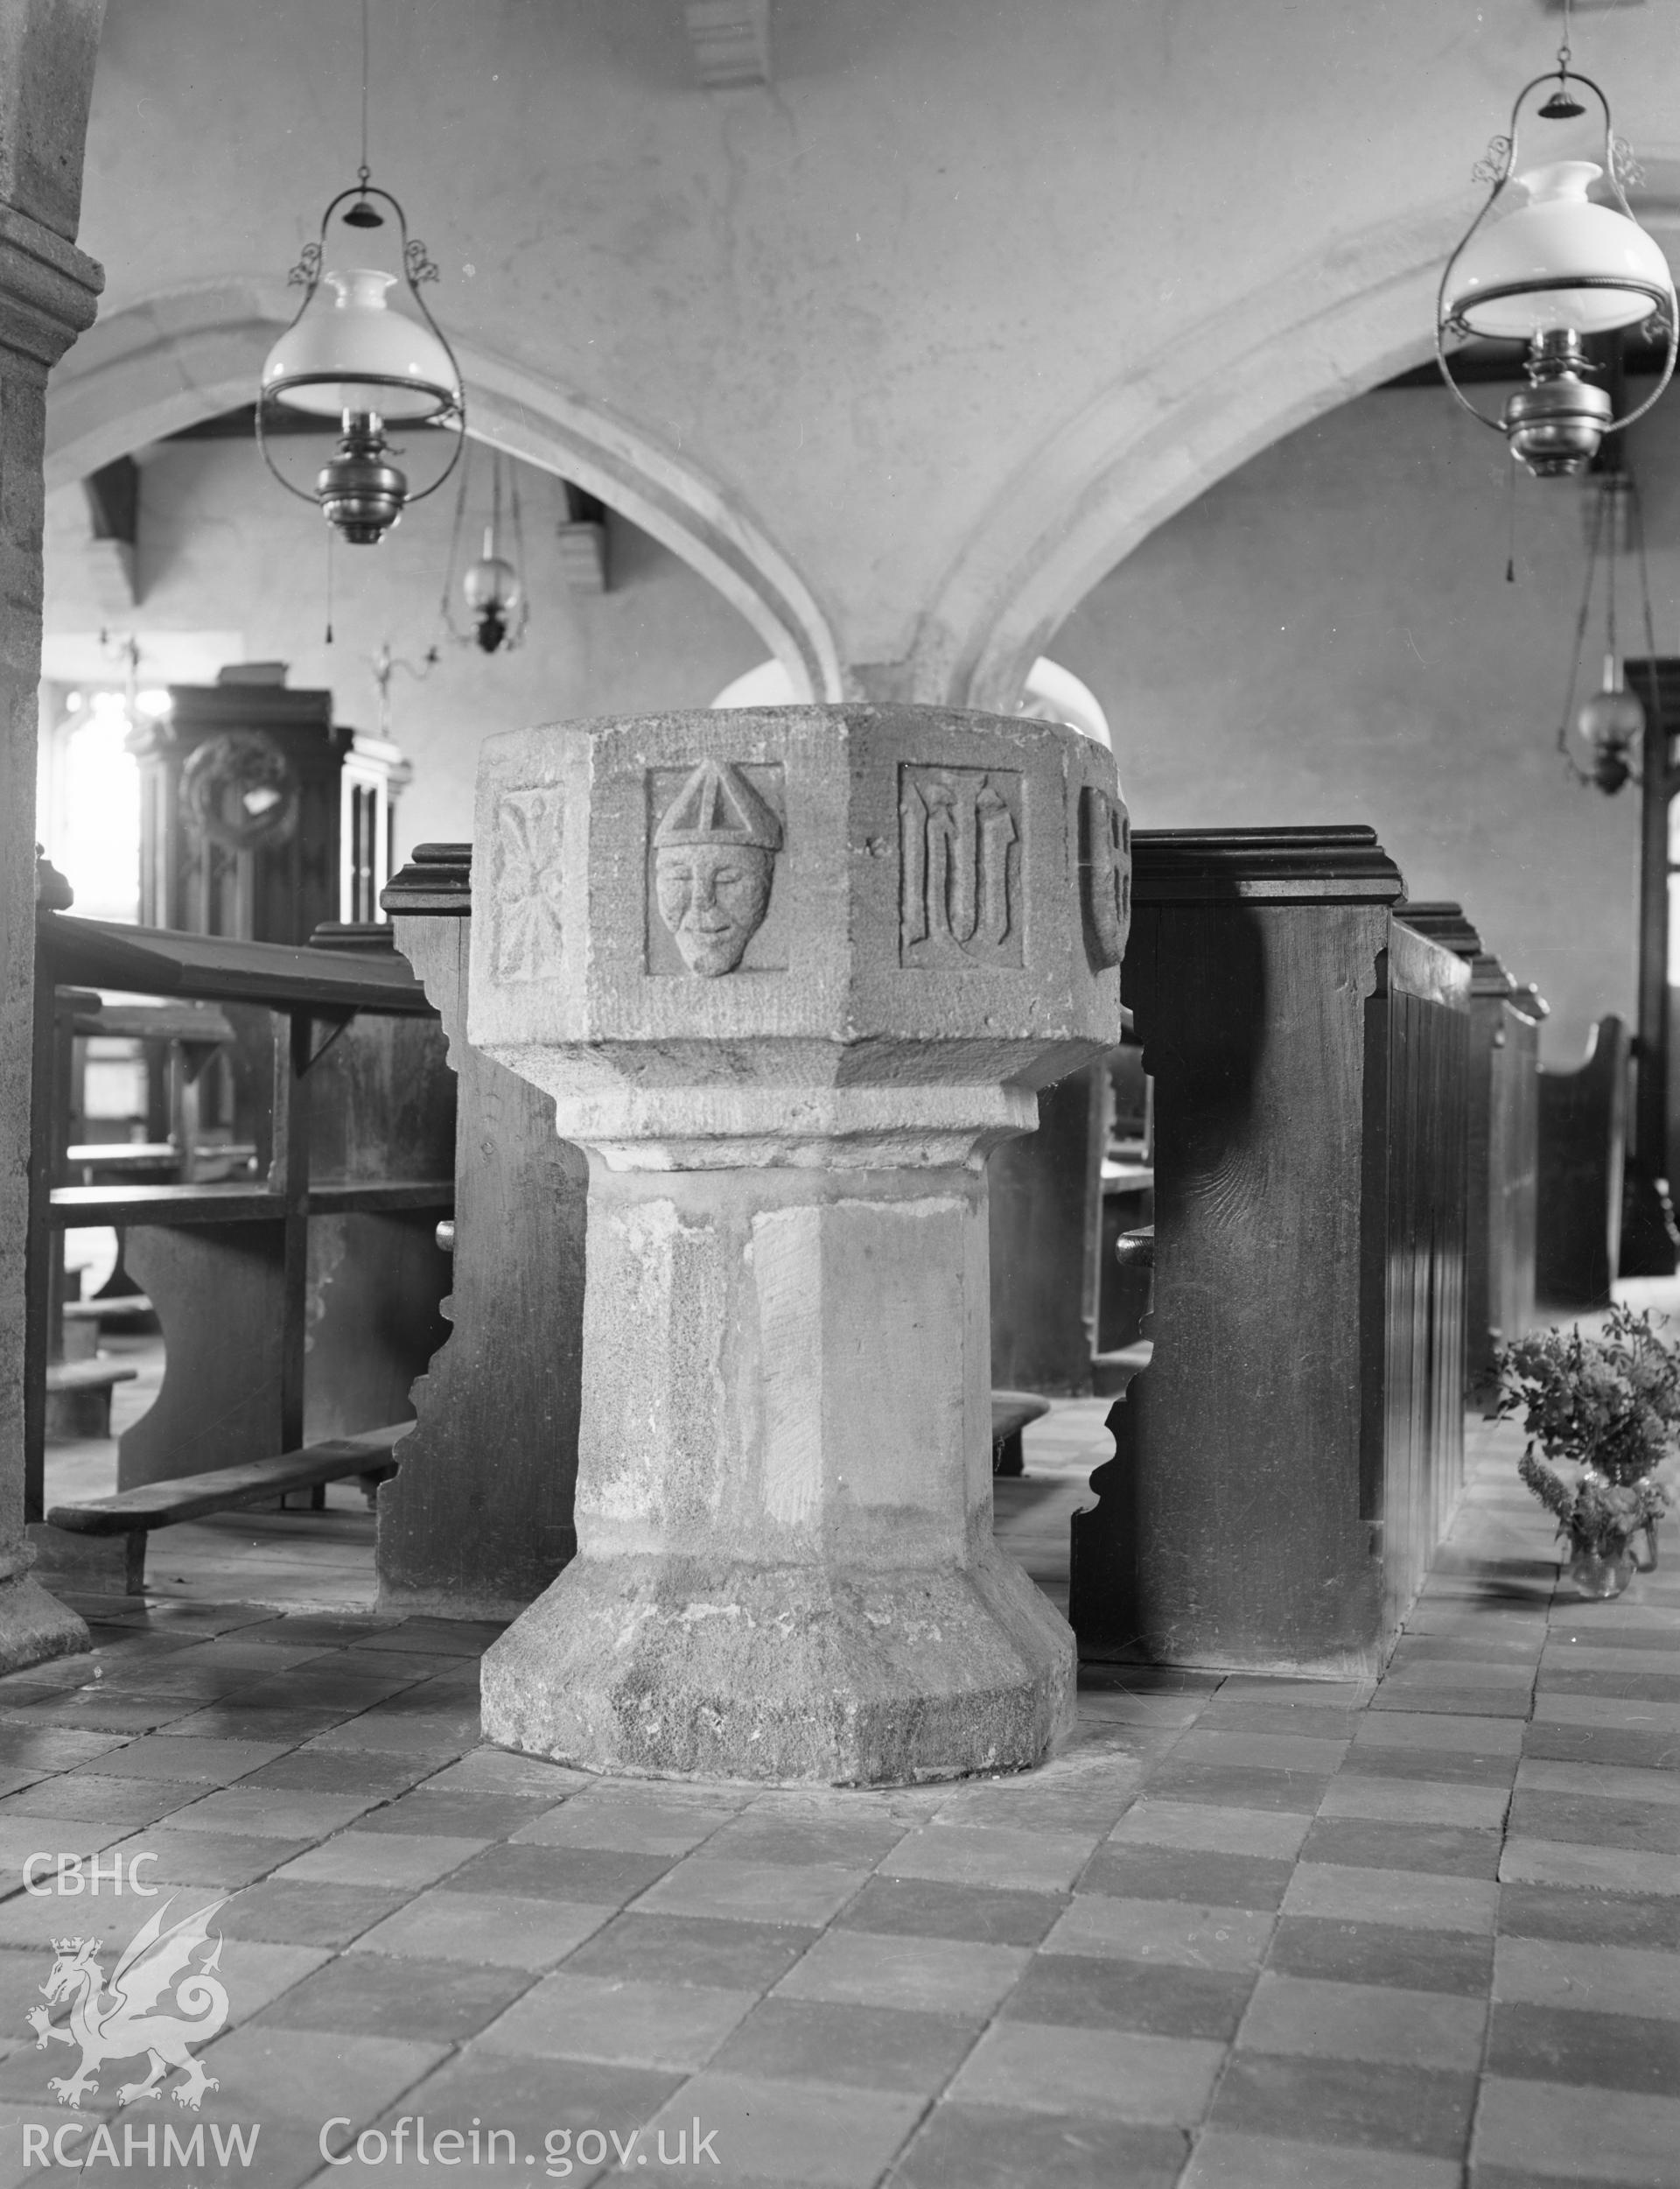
x=1243, y=1933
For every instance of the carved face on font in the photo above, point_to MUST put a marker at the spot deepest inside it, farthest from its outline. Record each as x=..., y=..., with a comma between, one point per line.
x=714, y=863
x=713, y=898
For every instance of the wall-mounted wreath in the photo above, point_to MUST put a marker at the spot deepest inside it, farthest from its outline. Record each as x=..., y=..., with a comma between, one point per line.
x=239, y=790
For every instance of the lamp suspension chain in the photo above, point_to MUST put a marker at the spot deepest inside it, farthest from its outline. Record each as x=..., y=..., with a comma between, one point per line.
x=1580, y=635
x=518, y=529
x=375, y=363
x=1636, y=516
x=365, y=171
x=1510, y=524
x=444, y=612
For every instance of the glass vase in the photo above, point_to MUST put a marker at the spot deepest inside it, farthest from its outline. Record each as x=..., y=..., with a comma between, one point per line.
x=1598, y=1574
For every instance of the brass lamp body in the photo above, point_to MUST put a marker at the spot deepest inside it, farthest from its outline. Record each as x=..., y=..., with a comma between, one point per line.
x=1555, y=424
x=361, y=493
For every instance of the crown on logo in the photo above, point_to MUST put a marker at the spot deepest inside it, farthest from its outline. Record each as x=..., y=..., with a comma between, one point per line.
x=717, y=805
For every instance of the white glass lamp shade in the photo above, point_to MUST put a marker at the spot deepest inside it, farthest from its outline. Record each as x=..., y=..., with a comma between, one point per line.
x=1612, y=715
x=492, y=582
x=1559, y=233
x=353, y=353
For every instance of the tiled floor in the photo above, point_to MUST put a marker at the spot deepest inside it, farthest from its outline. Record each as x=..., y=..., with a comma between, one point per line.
x=1243, y=1934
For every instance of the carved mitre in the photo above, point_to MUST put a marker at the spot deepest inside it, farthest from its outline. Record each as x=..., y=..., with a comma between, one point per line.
x=717, y=805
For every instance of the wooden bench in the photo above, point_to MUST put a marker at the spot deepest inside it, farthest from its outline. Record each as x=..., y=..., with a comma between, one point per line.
x=297, y=1304
x=131, y=1307
x=99, y=1545
x=1045, y=1229
x=1010, y=1412
x=78, y=1396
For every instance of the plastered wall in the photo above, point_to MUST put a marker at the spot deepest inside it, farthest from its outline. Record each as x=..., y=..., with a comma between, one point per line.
x=924, y=333
x=223, y=551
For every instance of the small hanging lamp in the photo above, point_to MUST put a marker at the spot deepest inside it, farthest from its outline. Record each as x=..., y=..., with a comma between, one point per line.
x=491, y=585
x=1609, y=724
x=353, y=355
x=1560, y=266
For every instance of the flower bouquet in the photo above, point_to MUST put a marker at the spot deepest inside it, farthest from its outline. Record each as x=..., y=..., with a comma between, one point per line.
x=1602, y=1415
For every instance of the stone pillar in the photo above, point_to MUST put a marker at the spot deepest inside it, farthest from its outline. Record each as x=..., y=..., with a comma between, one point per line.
x=789, y=975
x=48, y=292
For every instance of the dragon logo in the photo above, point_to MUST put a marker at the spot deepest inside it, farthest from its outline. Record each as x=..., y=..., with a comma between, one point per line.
x=125, y=2019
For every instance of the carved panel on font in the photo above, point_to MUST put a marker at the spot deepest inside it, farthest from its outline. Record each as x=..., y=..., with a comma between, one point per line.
x=1105, y=872
x=526, y=886
x=960, y=842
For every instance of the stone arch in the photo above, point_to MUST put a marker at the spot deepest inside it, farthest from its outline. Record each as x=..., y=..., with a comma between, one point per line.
x=1049, y=693
x=171, y=360
x=1149, y=444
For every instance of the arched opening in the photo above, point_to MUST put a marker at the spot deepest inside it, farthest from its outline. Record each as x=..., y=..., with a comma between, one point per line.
x=1050, y=694
x=1167, y=430
x=173, y=360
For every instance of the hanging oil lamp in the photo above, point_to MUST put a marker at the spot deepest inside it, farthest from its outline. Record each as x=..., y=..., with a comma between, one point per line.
x=490, y=585
x=352, y=355
x=1562, y=265
x=375, y=362
x=1608, y=727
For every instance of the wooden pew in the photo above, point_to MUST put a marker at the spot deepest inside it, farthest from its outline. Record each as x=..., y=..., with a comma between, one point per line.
x=1503, y=1165
x=177, y=1040
x=477, y=1521
x=300, y=1304
x=1583, y=1148
x=1287, y=1460
x=1128, y=1205
x=63, y=1397
x=1045, y=1233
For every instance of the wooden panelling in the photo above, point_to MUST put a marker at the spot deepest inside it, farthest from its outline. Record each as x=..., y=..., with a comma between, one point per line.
x=1514, y=1178
x=1418, y=1457
x=1502, y=1147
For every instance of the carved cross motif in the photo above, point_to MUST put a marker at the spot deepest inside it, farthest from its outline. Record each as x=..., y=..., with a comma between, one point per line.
x=527, y=886
x=960, y=850
x=1105, y=872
